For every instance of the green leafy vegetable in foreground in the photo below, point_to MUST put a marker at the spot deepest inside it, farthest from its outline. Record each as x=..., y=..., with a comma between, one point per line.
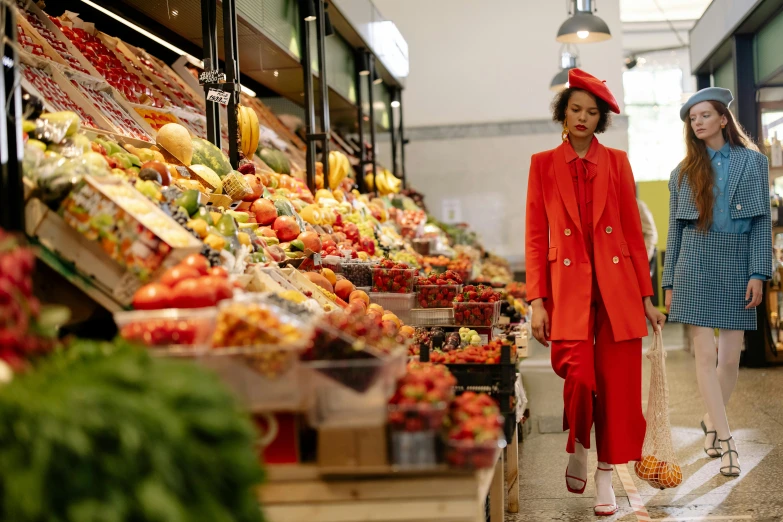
x=105, y=433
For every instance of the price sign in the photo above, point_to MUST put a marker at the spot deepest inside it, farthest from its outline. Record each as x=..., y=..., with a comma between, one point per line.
x=214, y=76
x=125, y=289
x=216, y=95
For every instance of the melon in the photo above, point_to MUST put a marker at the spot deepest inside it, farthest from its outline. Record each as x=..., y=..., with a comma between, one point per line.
x=209, y=176
x=176, y=139
x=275, y=159
x=205, y=153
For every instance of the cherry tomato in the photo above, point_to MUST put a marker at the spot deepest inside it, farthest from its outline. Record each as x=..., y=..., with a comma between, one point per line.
x=221, y=286
x=173, y=276
x=153, y=296
x=219, y=271
x=198, y=262
x=191, y=293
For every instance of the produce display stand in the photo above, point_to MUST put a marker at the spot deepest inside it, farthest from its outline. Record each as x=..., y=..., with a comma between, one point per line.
x=304, y=494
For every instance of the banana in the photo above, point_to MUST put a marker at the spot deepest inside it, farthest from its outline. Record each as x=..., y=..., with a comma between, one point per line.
x=332, y=161
x=346, y=164
x=249, y=130
x=255, y=132
x=244, y=134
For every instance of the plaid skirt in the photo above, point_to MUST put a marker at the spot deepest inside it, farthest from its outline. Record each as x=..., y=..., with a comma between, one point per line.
x=710, y=281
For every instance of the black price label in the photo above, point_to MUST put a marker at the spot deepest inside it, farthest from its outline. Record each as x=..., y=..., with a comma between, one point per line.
x=211, y=77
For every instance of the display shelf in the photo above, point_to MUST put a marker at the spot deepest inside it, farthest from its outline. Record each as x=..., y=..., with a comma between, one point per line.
x=302, y=493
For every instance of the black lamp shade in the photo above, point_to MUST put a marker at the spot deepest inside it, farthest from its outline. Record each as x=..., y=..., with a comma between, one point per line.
x=363, y=63
x=328, y=29
x=591, y=28
x=560, y=81
x=307, y=10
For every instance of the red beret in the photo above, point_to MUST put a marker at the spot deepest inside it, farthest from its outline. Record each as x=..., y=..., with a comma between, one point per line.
x=578, y=79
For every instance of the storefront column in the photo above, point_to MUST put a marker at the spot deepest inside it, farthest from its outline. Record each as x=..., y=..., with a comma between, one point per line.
x=745, y=80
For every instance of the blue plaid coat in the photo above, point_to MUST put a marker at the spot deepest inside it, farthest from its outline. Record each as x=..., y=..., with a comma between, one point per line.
x=709, y=272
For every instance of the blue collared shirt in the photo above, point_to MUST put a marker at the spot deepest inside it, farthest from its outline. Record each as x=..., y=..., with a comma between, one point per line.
x=721, y=217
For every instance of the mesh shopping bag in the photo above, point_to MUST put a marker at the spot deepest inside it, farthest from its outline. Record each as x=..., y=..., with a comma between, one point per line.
x=659, y=465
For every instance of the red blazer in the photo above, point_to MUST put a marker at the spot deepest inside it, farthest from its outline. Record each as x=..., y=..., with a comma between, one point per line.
x=557, y=264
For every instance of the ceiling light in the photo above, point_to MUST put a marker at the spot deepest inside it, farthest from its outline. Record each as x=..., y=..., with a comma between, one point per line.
x=307, y=10
x=174, y=12
x=276, y=73
x=395, y=104
x=363, y=62
x=568, y=60
x=583, y=26
x=328, y=29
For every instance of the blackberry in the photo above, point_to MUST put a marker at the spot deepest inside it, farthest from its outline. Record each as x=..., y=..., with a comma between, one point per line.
x=212, y=255
x=180, y=216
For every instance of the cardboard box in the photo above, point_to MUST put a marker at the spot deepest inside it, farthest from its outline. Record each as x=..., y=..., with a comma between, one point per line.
x=352, y=447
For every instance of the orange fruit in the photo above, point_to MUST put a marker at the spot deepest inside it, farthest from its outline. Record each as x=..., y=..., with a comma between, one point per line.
x=669, y=475
x=647, y=469
x=329, y=275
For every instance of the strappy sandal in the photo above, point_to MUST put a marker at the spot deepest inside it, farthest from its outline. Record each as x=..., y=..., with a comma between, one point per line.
x=599, y=510
x=572, y=490
x=731, y=467
x=717, y=450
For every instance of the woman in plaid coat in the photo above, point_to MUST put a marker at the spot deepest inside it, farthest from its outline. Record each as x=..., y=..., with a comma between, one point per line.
x=718, y=253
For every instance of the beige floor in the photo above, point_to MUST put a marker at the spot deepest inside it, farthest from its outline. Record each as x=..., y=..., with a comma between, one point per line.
x=756, y=417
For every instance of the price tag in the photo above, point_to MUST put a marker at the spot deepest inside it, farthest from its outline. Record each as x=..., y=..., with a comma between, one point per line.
x=521, y=341
x=484, y=338
x=125, y=289
x=504, y=319
x=214, y=76
x=216, y=95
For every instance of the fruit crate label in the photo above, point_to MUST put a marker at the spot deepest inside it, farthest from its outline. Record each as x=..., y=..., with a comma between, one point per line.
x=214, y=76
x=484, y=339
x=504, y=319
x=216, y=95
x=127, y=286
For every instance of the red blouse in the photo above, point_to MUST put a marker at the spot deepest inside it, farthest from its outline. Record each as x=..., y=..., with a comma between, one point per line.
x=583, y=171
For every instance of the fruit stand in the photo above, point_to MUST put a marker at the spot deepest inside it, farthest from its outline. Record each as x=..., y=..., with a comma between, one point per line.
x=373, y=347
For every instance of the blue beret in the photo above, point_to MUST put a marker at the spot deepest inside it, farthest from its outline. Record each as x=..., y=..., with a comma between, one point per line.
x=709, y=94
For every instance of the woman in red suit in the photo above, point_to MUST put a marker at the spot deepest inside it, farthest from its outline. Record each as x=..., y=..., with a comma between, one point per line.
x=589, y=285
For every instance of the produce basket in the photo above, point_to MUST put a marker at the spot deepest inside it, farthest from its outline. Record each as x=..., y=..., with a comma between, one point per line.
x=465, y=454
x=437, y=296
x=398, y=304
x=394, y=280
x=476, y=314
x=173, y=331
x=351, y=362
x=255, y=350
x=352, y=393
x=432, y=316
x=358, y=272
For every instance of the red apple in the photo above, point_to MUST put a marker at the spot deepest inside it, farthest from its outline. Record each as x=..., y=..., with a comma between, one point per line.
x=265, y=212
x=286, y=228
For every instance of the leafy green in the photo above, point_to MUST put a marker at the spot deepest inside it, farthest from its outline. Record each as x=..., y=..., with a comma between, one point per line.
x=103, y=432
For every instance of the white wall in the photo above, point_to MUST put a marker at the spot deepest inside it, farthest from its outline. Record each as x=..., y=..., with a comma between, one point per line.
x=476, y=62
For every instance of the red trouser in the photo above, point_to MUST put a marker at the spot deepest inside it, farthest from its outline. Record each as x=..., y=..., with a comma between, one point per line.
x=603, y=383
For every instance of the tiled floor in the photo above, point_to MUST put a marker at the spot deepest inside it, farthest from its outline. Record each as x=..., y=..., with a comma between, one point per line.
x=756, y=417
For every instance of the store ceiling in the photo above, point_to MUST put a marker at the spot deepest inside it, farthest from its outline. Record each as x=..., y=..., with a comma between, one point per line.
x=659, y=10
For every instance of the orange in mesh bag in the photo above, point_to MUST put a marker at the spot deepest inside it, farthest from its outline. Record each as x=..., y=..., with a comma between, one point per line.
x=659, y=466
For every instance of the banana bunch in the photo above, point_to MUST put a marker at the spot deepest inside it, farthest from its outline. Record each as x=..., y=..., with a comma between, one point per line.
x=339, y=167
x=388, y=183
x=248, y=130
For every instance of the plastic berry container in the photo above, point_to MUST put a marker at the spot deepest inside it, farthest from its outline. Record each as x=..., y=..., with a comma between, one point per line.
x=417, y=417
x=394, y=280
x=472, y=455
x=476, y=314
x=437, y=296
x=172, y=331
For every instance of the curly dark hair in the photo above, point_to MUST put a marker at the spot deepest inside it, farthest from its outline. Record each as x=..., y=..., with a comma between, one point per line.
x=560, y=104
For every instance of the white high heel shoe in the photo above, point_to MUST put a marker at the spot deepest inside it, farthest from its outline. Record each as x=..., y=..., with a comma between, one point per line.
x=604, y=509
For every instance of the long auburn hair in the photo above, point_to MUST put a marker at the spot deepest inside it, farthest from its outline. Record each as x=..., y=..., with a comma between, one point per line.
x=698, y=166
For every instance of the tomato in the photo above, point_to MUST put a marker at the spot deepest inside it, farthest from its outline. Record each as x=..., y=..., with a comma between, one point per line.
x=191, y=293
x=153, y=296
x=219, y=271
x=198, y=262
x=172, y=276
x=221, y=286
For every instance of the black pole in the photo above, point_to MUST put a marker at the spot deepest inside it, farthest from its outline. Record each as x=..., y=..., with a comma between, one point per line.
x=744, y=80
x=371, y=61
x=402, y=143
x=11, y=184
x=393, y=130
x=209, y=35
x=702, y=81
x=320, y=25
x=306, y=6
x=231, y=51
x=359, y=61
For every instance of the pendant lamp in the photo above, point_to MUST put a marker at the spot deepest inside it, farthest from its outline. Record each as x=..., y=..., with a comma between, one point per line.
x=583, y=26
x=568, y=61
